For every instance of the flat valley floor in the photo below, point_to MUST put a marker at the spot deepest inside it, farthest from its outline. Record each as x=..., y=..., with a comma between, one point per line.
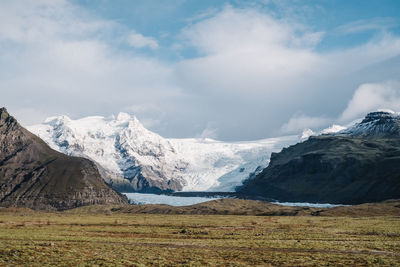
x=31, y=238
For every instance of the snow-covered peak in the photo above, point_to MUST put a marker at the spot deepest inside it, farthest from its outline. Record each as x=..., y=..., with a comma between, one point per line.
x=386, y=111
x=122, y=116
x=57, y=120
x=381, y=123
x=99, y=138
x=386, y=116
x=96, y=123
x=307, y=133
x=376, y=124
x=335, y=128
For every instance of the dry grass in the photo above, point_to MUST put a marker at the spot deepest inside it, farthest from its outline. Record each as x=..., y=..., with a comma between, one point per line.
x=85, y=239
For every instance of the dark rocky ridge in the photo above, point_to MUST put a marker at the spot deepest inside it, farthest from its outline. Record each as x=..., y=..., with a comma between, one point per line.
x=35, y=176
x=358, y=165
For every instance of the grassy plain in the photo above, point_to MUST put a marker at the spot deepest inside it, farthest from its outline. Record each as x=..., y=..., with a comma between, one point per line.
x=105, y=239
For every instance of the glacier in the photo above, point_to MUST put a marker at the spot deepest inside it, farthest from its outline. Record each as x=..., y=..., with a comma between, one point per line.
x=141, y=199
x=133, y=159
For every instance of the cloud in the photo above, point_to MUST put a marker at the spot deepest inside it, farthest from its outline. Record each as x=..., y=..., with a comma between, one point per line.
x=60, y=59
x=137, y=40
x=299, y=122
x=368, y=97
x=149, y=122
x=143, y=108
x=33, y=22
x=235, y=29
x=371, y=97
x=27, y=116
x=368, y=25
x=243, y=50
x=209, y=132
x=260, y=70
x=148, y=113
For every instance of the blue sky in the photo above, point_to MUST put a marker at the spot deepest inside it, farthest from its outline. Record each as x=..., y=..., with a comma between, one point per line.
x=231, y=70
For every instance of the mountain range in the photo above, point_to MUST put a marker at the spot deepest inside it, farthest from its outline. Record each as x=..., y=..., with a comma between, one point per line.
x=344, y=165
x=134, y=159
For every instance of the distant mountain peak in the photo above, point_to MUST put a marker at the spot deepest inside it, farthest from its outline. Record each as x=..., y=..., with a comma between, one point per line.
x=382, y=123
x=380, y=117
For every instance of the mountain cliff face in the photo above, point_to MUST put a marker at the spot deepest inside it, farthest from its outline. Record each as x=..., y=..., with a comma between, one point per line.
x=35, y=176
x=356, y=165
x=134, y=159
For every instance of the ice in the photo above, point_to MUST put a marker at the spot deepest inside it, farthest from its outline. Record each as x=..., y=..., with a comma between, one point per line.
x=139, y=198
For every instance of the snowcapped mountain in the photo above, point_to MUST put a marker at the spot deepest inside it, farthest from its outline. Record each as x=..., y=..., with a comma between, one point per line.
x=134, y=159
x=381, y=123
x=384, y=123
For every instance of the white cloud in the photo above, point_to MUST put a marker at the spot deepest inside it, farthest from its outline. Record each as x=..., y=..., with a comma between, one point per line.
x=367, y=98
x=244, y=30
x=262, y=70
x=149, y=113
x=299, y=122
x=28, y=116
x=41, y=21
x=209, y=132
x=143, y=108
x=367, y=25
x=247, y=51
x=59, y=61
x=149, y=122
x=137, y=40
x=371, y=97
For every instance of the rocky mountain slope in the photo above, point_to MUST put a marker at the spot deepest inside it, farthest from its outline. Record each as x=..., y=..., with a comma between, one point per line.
x=356, y=165
x=34, y=175
x=134, y=159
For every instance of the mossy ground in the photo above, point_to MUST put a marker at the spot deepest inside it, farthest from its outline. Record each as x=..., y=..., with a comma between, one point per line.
x=68, y=239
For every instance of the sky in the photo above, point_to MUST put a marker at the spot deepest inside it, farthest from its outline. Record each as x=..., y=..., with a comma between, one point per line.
x=230, y=70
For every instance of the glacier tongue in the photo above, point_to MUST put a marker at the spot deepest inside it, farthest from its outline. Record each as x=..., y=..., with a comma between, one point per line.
x=221, y=166
x=134, y=159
